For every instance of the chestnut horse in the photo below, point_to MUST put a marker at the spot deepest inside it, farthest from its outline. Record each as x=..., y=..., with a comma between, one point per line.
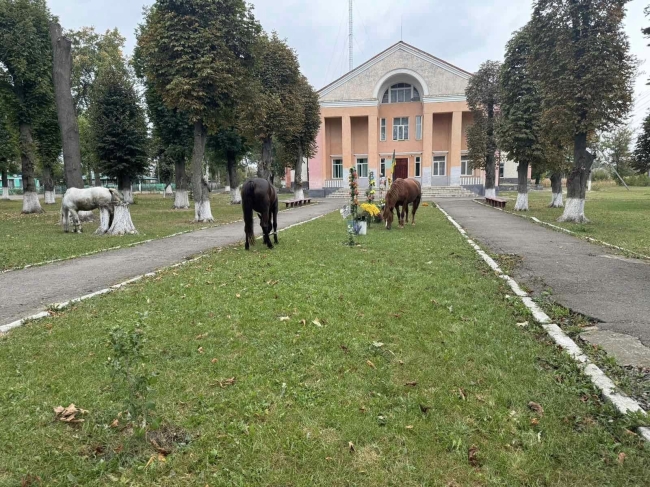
x=259, y=195
x=402, y=193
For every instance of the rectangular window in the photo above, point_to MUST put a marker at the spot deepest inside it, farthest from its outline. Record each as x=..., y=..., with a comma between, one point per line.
x=502, y=167
x=382, y=168
x=337, y=169
x=439, y=165
x=401, y=128
x=418, y=127
x=382, y=130
x=362, y=168
x=400, y=95
x=465, y=167
x=418, y=166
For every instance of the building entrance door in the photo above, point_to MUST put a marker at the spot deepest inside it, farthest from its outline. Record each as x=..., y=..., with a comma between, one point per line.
x=401, y=169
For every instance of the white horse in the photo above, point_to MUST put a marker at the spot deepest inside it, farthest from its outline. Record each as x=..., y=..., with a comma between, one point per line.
x=87, y=199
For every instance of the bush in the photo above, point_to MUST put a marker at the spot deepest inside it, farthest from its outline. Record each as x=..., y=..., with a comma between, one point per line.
x=600, y=175
x=638, y=180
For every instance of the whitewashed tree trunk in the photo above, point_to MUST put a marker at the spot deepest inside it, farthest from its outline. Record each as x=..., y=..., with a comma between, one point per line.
x=200, y=189
x=203, y=212
x=522, y=202
x=122, y=223
x=228, y=189
x=574, y=211
x=181, y=200
x=128, y=196
x=49, y=198
x=298, y=194
x=556, y=200
x=31, y=203
x=168, y=191
x=104, y=221
x=235, y=196
x=490, y=193
x=5, y=193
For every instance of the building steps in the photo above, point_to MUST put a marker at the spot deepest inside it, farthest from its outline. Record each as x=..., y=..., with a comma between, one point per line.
x=428, y=193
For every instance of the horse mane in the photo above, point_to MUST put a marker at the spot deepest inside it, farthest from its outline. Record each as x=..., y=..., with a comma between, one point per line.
x=393, y=191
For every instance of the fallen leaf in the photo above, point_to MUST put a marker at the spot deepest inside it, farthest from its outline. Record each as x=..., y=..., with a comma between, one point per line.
x=435, y=302
x=200, y=350
x=525, y=323
x=115, y=423
x=534, y=421
x=412, y=383
x=424, y=409
x=304, y=322
x=472, y=456
x=461, y=394
x=345, y=349
x=214, y=360
x=317, y=323
x=362, y=409
x=400, y=362
x=328, y=458
x=201, y=336
x=371, y=364
x=351, y=446
x=621, y=458
x=227, y=382
x=284, y=318
x=68, y=415
x=397, y=315
x=430, y=262
x=238, y=295
x=377, y=344
x=151, y=459
x=409, y=427
x=536, y=407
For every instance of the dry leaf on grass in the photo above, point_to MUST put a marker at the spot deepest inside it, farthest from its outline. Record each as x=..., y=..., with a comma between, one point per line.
x=461, y=394
x=371, y=364
x=534, y=421
x=238, y=295
x=621, y=457
x=317, y=323
x=284, y=318
x=201, y=336
x=424, y=409
x=411, y=383
x=68, y=415
x=200, y=350
x=115, y=423
x=227, y=382
x=303, y=322
x=521, y=325
x=351, y=447
x=409, y=427
x=472, y=456
x=214, y=360
x=533, y=406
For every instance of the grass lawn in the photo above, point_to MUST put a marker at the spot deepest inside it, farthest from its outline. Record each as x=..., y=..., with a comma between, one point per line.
x=395, y=363
x=618, y=216
x=29, y=239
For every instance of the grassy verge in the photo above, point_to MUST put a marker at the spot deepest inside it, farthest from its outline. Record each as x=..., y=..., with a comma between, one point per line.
x=618, y=216
x=29, y=239
x=395, y=363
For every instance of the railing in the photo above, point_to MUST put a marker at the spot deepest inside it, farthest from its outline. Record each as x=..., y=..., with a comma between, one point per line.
x=334, y=183
x=470, y=180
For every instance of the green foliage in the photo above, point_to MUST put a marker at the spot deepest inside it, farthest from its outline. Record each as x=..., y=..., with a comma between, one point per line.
x=581, y=58
x=637, y=180
x=128, y=371
x=520, y=130
x=47, y=136
x=9, y=154
x=227, y=144
x=91, y=51
x=641, y=161
x=483, y=98
x=118, y=125
x=197, y=54
x=613, y=149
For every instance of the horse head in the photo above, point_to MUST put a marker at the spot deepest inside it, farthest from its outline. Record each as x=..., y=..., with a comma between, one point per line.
x=387, y=215
x=116, y=197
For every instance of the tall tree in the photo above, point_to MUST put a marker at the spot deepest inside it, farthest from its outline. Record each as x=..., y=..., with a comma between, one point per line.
x=9, y=153
x=230, y=146
x=26, y=54
x=581, y=57
x=277, y=77
x=198, y=55
x=615, y=149
x=47, y=136
x=301, y=143
x=483, y=97
x=65, y=110
x=119, y=128
x=641, y=161
x=520, y=130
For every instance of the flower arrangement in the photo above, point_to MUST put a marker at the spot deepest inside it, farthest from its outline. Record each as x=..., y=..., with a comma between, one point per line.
x=354, y=204
x=369, y=210
x=370, y=192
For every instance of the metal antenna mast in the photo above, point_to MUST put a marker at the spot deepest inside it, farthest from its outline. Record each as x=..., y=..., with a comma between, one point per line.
x=350, y=40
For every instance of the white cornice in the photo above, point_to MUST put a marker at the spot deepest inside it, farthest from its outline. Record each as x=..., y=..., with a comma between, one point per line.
x=348, y=103
x=443, y=98
x=397, y=47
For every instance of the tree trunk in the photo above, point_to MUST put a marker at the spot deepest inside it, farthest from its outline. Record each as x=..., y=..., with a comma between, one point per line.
x=490, y=177
x=104, y=220
x=576, y=183
x=122, y=223
x=235, y=195
x=98, y=178
x=181, y=198
x=48, y=185
x=556, y=189
x=5, y=185
x=66, y=113
x=522, y=187
x=124, y=185
x=202, y=211
x=298, y=193
x=264, y=171
x=30, y=196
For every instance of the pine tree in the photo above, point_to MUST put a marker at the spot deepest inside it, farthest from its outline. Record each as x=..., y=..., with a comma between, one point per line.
x=641, y=160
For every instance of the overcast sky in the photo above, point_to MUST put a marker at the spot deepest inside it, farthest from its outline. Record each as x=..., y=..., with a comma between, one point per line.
x=462, y=32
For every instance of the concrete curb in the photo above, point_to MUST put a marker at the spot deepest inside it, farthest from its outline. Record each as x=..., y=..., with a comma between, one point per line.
x=621, y=402
x=65, y=304
x=565, y=230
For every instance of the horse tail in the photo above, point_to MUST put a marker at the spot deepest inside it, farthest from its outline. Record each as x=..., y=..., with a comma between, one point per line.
x=115, y=193
x=247, y=198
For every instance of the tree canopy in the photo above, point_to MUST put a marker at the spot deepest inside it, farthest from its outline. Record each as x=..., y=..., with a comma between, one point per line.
x=641, y=161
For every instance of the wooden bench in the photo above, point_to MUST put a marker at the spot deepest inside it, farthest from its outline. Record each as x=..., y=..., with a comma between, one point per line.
x=292, y=203
x=496, y=202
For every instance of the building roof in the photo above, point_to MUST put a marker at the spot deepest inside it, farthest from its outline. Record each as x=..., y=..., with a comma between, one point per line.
x=389, y=51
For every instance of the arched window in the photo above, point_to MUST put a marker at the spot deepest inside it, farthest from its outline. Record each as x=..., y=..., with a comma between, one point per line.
x=401, y=93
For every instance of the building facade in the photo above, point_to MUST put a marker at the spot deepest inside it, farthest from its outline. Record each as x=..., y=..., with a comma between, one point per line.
x=404, y=101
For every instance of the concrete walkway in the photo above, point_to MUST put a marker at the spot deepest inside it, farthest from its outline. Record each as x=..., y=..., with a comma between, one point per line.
x=587, y=278
x=26, y=292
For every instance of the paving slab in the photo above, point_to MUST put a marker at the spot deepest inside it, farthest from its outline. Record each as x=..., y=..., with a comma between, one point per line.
x=627, y=350
x=585, y=277
x=29, y=291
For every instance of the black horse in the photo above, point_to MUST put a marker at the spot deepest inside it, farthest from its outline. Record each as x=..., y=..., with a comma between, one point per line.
x=259, y=195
